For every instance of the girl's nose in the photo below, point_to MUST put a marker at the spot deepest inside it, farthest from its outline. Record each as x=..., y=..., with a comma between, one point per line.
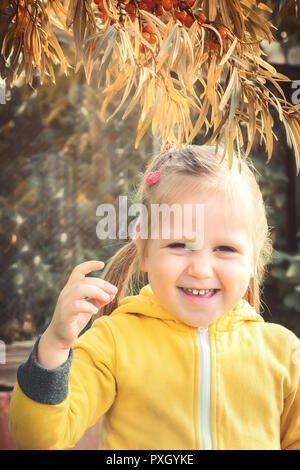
x=200, y=266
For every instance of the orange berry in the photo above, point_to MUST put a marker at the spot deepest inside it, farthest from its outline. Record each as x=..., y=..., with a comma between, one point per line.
x=146, y=35
x=104, y=16
x=167, y=4
x=159, y=10
x=188, y=21
x=148, y=28
x=213, y=45
x=96, y=1
x=175, y=2
x=222, y=33
x=132, y=17
x=130, y=8
x=189, y=3
x=101, y=6
x=152, y=39
x=144, y=6
x=180, y=15
x=201, y=18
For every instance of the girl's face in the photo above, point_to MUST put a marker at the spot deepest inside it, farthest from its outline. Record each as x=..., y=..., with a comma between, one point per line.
x=222, y=263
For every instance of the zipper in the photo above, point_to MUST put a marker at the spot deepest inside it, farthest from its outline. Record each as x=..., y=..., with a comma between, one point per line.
x=204, y=398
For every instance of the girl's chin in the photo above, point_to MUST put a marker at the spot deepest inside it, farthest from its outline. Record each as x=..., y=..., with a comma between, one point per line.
x=201, y=322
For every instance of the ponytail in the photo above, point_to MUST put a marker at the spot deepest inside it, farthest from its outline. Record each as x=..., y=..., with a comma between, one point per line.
x=253, y=294
x=119, y=272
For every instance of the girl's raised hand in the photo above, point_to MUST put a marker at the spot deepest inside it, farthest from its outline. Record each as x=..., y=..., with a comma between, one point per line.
x=77, y=302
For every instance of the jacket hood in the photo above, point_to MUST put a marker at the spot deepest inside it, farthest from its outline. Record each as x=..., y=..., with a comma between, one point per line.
x=146, y=303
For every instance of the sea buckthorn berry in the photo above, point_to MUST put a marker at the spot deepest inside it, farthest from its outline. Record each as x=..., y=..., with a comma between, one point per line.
x=159, y=10
x=201, y=18
x=175, y=2
x=101, y=6
x=146, y=35
x=130, y=8
x=189, y=3
x=152, y=39
x=180, y=15
x=222, y=33
x=144, y=6
x=148, y=28
x=96, y=1
x=188, y=21
x=213, y=45
x=132, y=17
x=104, y=16
x=167, y=4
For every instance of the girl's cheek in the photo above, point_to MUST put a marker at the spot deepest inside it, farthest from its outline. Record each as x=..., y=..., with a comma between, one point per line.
x=234, y=269
x=174, y=264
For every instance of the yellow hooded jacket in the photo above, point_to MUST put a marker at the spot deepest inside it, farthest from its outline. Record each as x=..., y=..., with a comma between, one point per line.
x=161, y=384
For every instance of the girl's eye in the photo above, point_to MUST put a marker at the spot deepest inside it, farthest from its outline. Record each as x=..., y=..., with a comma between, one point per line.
x=226, y=248
x=183, y=245
x=177, y=245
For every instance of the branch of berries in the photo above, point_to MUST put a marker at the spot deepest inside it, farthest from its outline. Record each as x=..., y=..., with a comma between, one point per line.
x=181, y=9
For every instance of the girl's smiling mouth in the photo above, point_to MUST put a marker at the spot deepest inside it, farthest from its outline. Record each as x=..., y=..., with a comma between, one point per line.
x=198, y=295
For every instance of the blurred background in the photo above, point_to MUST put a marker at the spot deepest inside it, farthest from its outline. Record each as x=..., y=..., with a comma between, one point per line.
x=59, y=161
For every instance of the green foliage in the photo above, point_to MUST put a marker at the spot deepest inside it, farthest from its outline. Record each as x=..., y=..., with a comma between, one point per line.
x=59, y=161
x=286, y=268
x=281, y=284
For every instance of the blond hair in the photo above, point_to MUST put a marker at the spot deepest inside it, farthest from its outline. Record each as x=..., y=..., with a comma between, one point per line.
x=208, y=170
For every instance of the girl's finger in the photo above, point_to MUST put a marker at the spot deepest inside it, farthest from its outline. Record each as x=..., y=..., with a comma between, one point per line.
x=82, y=269
x=96, y=302
x=82, y=306
x=105, y=285
x=87, y=290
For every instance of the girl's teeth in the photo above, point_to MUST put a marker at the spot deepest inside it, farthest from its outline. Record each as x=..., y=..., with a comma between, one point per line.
x=198, y=292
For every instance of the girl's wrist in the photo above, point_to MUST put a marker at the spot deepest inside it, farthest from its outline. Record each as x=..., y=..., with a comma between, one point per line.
x=50, y=354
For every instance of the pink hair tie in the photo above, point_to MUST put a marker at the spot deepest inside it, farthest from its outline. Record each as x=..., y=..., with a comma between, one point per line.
x=153, y=176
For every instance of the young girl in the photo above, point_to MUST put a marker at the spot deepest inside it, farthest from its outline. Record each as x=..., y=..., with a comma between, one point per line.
x=189, y=362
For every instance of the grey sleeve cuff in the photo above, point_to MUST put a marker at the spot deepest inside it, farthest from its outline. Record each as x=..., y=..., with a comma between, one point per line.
x=48, y=386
